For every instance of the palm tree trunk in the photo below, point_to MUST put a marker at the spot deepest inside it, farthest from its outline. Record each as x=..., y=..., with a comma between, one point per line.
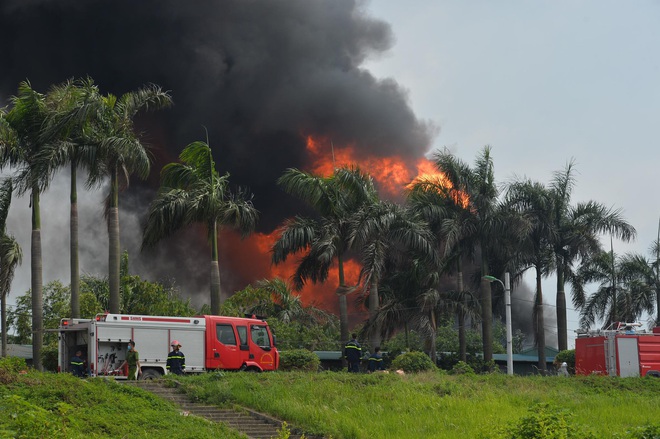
x=540, y=322
x=75, y=273
x=343, y=306
x=3, y=322
x=433, y=351
x=374, y=303
x=113, y=244
x=37, y=282
x=216, y=300
x=462, y=330
x=486, y=310
x=562, y=324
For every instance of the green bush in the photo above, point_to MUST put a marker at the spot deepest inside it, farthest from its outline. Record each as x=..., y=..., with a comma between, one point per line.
x=12, y=364
x=646, y=432
x=544, y=422
x=299, y=359
x=413, y=362
x=461, y=368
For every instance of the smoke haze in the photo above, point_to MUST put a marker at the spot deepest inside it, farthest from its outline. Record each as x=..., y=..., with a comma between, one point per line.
x=259, y=75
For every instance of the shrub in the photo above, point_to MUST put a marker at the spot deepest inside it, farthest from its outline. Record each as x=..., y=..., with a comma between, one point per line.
x=413, y=362
x=299, y=359
x=12, y=364
x=461, y=368
x=646, y=432
x=10, y=368
x=544, y=422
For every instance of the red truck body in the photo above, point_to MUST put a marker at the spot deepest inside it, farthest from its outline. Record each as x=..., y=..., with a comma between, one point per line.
x=208, y=342
x=623, y=353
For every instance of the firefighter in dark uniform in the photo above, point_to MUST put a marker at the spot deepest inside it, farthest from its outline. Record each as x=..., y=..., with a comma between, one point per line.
x=353, y=354
x=78, y=365
x=176, y=361
x=375, y=361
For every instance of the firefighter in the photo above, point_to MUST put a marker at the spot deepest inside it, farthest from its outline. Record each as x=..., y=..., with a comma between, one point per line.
x=176, y=361
x=375, y=361
x=353, y=354
x=78, y=365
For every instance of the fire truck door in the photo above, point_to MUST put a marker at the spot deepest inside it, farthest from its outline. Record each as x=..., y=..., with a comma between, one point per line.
x=628, y=356
x=225, y=352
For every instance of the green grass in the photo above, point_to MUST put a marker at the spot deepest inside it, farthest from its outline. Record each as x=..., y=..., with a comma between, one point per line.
x=337, y=405
x=433, y=405
x=43, y=405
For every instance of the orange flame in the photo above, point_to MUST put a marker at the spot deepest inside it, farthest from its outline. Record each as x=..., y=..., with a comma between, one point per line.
x=253, y=261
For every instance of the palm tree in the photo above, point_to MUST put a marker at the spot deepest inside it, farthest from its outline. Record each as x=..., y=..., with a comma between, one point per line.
x=21, y=138
x=10, y=257
x=379, y=230
x=479, y=224
x=443, y=207
x=623, y=290
x=534, y=202
x=326, y=239
x=121, y=153
x=194, y=192
x=75, y=103
x=577, y=229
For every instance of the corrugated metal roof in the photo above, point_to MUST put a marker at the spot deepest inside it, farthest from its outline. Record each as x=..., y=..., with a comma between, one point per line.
x=20, y=351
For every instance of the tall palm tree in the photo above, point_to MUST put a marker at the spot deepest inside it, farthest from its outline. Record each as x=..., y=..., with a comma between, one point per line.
x=623, y=292
x=75, y=104
x=326, y=239
x=10, y=257
x=578, y=228
x=121, y=154
x=194, y=192
x=480, y=222
x=444, y=208
x=21, y=138
x=534, y=201
x=379, y=230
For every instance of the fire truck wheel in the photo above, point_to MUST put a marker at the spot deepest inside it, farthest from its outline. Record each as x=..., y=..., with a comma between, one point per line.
x=654, y=374
x=150, y=374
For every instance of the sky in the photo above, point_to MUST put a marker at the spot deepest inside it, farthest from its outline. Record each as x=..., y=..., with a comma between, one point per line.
x=542, y=83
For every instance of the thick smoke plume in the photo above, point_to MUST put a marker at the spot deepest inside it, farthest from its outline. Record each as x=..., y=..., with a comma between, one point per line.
x=261, y=76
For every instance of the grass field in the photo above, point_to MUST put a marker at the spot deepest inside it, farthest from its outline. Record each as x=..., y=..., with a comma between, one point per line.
x=435, y=405
x=338, y=405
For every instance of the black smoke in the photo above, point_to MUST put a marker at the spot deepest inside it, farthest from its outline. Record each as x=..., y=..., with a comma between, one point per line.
x=259, y=75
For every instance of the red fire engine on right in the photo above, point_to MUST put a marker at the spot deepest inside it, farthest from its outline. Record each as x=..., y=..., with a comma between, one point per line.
x=624, y=351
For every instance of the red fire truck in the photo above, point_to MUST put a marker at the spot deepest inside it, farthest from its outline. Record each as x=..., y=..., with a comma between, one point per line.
x=208, y=342
x=624, y=351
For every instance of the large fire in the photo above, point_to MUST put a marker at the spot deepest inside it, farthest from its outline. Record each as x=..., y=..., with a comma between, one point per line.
x=393, y=174
x=251, y=258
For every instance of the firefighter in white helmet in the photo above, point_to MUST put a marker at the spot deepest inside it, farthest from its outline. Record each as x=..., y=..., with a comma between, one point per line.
x=176, y=361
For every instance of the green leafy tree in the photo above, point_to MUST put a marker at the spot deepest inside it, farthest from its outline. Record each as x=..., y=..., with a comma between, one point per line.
x=325, y=239
x=379, y=230
x=445, y=209
x=534, y=202
x=577, y=237
x=623, y=293
x=22, y=136
x=10, y=257
x=75, y=103
x=479, y=224
x=194, y=192
x=120, y=155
